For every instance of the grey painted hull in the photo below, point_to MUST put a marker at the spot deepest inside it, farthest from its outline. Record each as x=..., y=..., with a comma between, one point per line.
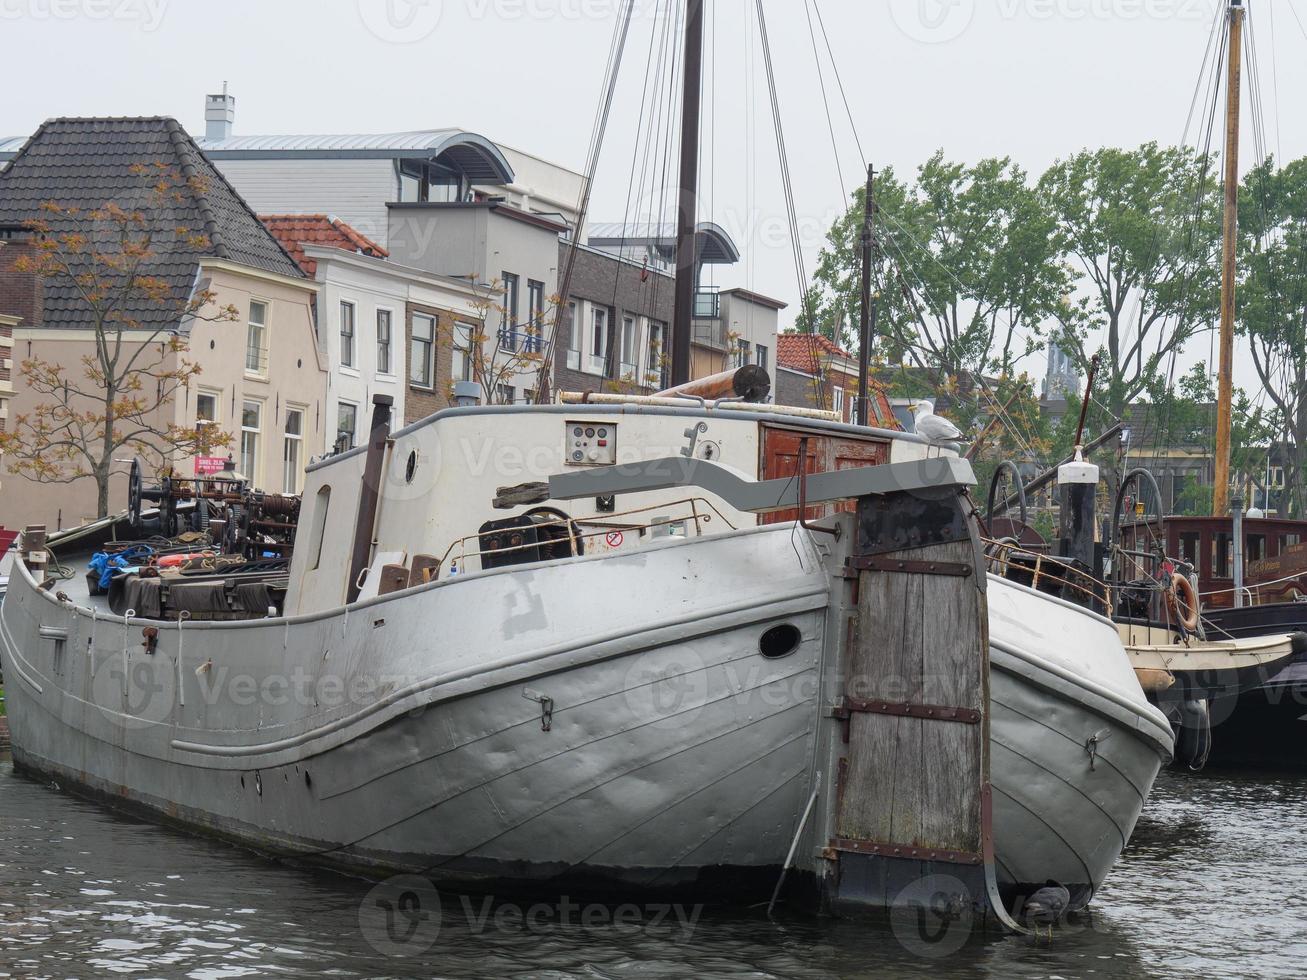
x=536, y=741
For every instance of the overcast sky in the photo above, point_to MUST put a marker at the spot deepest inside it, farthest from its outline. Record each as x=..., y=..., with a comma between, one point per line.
x=1033, y=79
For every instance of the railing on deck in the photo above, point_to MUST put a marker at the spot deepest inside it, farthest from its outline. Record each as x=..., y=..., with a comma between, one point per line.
x=701, y=511
x=1045, y=573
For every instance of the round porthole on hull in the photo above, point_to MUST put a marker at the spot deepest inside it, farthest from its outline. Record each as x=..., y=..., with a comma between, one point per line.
x=779, y=641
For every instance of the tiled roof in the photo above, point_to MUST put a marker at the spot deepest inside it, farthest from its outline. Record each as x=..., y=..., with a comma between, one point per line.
x=88, y=163
x=294, y=231
x=803, y=351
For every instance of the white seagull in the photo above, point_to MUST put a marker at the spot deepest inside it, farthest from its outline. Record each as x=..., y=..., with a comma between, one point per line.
x=934, y=427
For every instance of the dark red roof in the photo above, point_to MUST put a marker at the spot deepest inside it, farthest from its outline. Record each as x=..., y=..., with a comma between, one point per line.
x=294, y=231
x=804, y=351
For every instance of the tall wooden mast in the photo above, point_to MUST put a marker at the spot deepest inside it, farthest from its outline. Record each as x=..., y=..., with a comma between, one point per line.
x=688, y=199
x=1229, y=238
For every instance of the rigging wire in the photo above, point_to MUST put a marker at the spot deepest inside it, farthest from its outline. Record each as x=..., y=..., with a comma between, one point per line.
x=787, y=186
x=620, y=31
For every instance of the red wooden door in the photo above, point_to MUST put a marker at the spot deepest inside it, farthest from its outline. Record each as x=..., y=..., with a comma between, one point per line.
x=780, y=458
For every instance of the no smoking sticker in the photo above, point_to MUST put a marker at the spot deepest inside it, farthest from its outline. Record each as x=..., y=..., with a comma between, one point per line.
x=613, y=539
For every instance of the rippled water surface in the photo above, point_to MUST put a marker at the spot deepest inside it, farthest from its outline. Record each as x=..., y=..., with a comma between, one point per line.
x=1214, y=884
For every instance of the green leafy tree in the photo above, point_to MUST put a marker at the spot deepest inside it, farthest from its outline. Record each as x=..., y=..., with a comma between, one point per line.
x=965, y=268
x=1273, y=304
x=1140, y=232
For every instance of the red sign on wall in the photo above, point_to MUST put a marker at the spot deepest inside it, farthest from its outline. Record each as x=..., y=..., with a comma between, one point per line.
x=207, y=465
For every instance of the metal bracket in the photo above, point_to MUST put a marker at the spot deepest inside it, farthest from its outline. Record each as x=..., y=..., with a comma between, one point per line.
x=546, y=707
x=873, y=563
x=907, y=851
x=907, y=709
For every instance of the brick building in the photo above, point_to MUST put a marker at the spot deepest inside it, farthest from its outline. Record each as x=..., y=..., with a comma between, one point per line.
x=814, y=372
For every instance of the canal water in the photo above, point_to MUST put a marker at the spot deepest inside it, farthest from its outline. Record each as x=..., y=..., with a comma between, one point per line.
x=1214, y=884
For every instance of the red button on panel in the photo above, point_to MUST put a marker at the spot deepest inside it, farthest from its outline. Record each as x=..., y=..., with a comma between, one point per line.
x=603, y=442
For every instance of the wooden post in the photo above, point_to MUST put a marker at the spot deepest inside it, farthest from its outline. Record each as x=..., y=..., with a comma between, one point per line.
x=1229, y=238
x=688, y=206
x=914, y=783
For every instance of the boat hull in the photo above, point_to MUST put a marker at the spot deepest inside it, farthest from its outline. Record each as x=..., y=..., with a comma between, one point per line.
x=668, y=755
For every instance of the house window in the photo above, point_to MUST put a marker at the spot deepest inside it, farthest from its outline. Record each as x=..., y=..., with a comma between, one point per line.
x=837, y=400
x=251, y=429
x=291, y=452
x=1276, y=480
x=741, y=353
x=463, y=336
x=419, y=357
x=256, y=340
x=535, y=292
x=628, y=346
x=206, y=407
x=505, y=394
x=508, y=330
x=760, y=356
x=573, y=336
x=347, y=416
x=383, y=341
x=598, y=339
x=657, y=352
x=347, y=334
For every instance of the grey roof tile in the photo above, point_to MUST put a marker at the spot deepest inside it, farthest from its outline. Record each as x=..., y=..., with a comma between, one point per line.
x=87, y=163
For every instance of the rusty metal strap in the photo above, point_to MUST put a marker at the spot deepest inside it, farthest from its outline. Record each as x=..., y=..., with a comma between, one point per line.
x=907, y=709
x=876, y=563
x=908, y=851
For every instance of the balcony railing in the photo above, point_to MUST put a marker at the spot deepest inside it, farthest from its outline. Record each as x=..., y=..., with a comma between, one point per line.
x=528, y=340
x=707, y=304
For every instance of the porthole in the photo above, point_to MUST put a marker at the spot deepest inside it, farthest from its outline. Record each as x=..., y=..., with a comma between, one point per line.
x=779, y=641
x=412, y=467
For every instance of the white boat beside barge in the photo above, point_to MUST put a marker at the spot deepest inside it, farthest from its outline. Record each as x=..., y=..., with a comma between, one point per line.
x=668, y=711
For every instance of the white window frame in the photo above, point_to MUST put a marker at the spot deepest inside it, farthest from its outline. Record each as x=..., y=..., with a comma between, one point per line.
x=509, y=339
x=656, y=353
x=252, y=462
x=216, y=395
x=256, y=340
x=389, y=370
x=428, y=358
x=597, y=333
x=348, y=341
x=837, y=400
x=576, y=323
x=292, y=478
x=760, y=355
x=462, y=366
x=628, y=344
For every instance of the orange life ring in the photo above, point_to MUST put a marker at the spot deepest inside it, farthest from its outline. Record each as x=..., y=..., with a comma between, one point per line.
x=1181, y=596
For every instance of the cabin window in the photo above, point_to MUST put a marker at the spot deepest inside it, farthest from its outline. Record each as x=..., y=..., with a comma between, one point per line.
x=320, y=523
x=1189, y=547
x=251, y=430
x=1221, y=556
x=1256, y=548
x=383, y=341
x=347, y=334
x=292, y=450
x=1289, y=541
x=419, y=360
x=256, y=340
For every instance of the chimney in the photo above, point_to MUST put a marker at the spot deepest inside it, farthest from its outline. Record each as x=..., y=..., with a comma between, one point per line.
x=219, y=115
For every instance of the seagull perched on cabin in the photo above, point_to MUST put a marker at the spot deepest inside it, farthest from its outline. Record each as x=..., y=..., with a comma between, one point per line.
x=934, y=427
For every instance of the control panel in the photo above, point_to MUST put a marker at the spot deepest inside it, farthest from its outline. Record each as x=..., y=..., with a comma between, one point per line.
x=590, y=444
